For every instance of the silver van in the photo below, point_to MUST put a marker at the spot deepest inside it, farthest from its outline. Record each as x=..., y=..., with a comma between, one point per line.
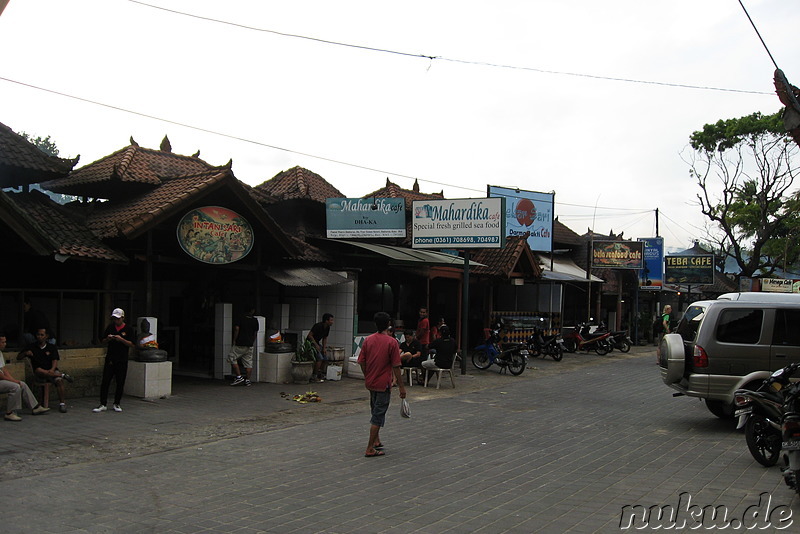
x=722, y=345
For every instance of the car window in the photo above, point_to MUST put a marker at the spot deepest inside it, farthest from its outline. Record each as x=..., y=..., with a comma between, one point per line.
x=690, y=322
x=787, y=328
x=740, y=325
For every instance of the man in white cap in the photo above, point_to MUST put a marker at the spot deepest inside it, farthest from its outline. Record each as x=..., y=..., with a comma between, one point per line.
x=120, y=338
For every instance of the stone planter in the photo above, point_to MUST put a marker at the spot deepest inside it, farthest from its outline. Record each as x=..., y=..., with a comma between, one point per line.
x=302, y=371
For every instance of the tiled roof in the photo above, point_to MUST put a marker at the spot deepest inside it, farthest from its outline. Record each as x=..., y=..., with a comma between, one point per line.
x=298, y=182
x=127, y=171
x=564, y=235
x=51, y=229
x=21, y=163
x=515, y=257
x=392, y=190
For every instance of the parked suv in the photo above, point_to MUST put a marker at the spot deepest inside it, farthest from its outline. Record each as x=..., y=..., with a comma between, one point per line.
x=723, y=345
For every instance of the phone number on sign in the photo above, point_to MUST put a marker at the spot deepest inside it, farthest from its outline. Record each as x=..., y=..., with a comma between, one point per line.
x=456, y=240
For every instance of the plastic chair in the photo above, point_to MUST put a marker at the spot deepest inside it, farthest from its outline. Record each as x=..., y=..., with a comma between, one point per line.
x=439, y=372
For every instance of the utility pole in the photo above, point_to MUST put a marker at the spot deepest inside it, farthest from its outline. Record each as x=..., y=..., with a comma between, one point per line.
x=3, y=4
x=657, y=234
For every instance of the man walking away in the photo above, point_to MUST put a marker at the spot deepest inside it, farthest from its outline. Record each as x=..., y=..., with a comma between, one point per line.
x=244, y=337
x=380, y=361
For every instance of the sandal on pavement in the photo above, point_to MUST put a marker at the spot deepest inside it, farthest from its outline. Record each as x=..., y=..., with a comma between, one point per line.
x=374, y=453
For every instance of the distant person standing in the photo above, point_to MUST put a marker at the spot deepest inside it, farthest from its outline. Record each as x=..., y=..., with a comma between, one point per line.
x=319, y=337
x=33, y=320
x=245, y=330
x=380, y=362
x=120, y=338
x=423, y=329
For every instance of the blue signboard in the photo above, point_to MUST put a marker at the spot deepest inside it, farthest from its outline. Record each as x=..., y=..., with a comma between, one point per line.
x=365, y=217
x=651, y=277
x=528, y=212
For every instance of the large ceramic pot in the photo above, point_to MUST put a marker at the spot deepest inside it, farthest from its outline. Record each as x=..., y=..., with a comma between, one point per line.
x=302, y=371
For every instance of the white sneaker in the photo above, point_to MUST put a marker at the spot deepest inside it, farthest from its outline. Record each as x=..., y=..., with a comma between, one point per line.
x=100, y=408
x=117, y=408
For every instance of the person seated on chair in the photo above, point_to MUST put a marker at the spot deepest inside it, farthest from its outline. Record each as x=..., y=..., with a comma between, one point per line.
x=411, y=350
x=16, y=389
x=445, y=348
x=44, y=360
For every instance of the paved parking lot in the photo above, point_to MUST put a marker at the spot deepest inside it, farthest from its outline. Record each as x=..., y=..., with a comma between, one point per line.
x=564, y=448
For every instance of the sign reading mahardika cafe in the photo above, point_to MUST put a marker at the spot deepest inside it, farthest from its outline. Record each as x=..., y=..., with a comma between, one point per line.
x=617, y=254
x=215, y=235
x=365, y=217
x=459, y=223
x=689, y=269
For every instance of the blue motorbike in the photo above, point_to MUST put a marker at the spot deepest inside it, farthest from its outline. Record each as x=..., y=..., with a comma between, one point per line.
x=514, y=357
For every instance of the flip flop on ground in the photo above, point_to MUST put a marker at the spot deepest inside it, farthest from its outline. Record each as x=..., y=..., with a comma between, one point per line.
x=374, y=453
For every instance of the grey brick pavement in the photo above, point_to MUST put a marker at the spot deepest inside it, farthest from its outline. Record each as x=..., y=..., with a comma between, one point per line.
x=562, y=450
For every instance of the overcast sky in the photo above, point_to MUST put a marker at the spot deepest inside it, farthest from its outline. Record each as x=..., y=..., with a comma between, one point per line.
x=581, y=97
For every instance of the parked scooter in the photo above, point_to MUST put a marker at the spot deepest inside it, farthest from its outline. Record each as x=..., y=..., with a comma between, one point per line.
x=583, y=339
x=761, y=414
x=514, y=358
x=621, y=341
x=539, y=344
x=790, y=436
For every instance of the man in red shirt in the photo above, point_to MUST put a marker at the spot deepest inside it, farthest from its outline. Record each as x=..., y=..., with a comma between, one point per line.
x=423, y=329
x=380, y=360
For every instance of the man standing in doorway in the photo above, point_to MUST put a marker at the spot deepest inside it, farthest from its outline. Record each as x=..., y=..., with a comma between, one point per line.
x=244, y=337
x=380, y=361
x=319, y=337
x=119, y=337
x=423, y=330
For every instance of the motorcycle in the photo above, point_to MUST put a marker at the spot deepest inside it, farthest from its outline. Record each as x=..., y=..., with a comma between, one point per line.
x=514, y=357
x=761, y=413
x=790, y=437
x=620, y=340
x=581, y=338
x=539, y=344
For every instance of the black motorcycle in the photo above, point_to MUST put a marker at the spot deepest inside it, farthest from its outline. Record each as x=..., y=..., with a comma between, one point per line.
x=762, y=412
x=620, y=340
x=542, y=345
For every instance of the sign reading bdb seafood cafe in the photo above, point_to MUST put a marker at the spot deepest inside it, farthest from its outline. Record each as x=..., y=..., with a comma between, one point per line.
x=216, y=235
x=461, y=223
x=617, y=254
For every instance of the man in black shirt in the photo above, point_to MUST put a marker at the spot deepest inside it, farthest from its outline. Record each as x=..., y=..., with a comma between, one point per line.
x=245, y=330
x=445, y=348
x=44, y=361
x=411, y=351
x=319, y=337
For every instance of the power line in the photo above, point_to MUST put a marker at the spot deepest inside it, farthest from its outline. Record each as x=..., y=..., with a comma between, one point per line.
x=430, y=57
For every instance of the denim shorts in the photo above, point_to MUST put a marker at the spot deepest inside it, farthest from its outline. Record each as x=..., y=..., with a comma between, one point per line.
x=320, y=357
x=379, y=405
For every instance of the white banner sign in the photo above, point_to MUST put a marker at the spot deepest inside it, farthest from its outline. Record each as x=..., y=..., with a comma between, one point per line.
x=776, y=285
x=461, y=223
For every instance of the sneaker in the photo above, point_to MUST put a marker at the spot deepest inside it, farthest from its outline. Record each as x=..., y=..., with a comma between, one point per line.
x=40, y=410
x=117, y=408
x=238, y=380
x=62, y=408
x=100, y=408
x=247, y=382
x=67, y=377
x=13, y=417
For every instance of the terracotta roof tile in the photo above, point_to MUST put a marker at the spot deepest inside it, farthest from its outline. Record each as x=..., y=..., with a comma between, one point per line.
x=126, y=171
x=21, y=163
x=114, y=219
x=392, y=190
x=502, y=262
x=298, y=182
x=56, y=229
x=564, y=235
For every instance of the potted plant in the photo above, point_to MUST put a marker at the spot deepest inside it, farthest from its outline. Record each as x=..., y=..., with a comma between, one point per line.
x=303, y=362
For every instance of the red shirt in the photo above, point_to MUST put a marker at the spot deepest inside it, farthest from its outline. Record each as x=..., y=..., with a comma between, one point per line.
x=379, y=354
x=424, y=326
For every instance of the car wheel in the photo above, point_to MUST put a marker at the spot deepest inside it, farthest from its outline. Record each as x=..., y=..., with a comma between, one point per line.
x=721, y=409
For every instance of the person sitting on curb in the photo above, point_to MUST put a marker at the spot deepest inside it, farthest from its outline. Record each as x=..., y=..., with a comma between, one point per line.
x=44, y=360
x=16, y=390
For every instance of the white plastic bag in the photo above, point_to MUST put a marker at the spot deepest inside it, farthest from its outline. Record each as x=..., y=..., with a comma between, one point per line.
x=405, y=410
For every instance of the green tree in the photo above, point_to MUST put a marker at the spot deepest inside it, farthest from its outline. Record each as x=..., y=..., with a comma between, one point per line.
x=744, y=170
x=46, y=145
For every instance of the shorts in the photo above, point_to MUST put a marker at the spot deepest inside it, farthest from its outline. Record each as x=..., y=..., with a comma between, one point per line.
x=320, y=357
x=245, y=353
x=379, y=405
x=42, y=378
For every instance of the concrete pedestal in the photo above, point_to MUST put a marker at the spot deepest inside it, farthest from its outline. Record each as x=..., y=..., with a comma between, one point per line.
x=149, y=380
x=274, y=367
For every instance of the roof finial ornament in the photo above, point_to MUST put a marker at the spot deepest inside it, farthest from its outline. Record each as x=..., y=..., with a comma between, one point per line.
x=416, y=186
x=196, y=154
x=165, y=146
x=133, y=142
